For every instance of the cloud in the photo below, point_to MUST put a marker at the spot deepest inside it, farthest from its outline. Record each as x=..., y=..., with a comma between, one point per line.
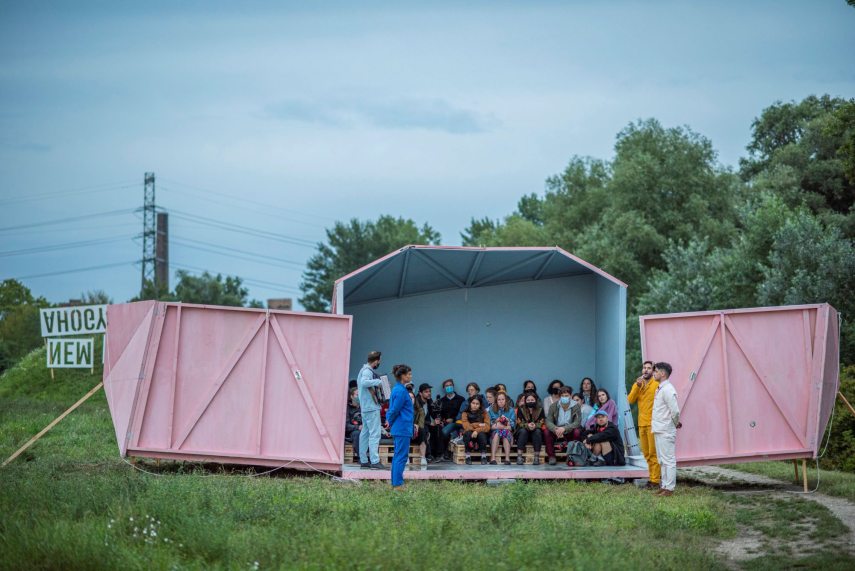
x=402, y=114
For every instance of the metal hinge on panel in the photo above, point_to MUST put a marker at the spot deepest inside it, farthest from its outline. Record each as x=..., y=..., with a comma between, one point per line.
x=298, y=376
x=693, y=376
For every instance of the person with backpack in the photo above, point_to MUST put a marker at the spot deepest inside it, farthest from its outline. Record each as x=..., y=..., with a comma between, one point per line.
x=368, y=383
x=604, y=442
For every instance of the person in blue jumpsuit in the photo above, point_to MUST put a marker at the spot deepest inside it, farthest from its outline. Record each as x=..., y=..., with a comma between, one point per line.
x=400, y=418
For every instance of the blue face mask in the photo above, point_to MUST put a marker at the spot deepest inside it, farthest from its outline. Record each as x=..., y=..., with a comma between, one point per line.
x=565, y=400
x=449, y=390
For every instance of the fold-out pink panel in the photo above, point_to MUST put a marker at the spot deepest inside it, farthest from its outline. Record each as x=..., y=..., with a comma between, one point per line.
x=225, y=384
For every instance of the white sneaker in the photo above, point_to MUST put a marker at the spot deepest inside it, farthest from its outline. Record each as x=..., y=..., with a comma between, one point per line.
x=458, y=440
x=423, y=462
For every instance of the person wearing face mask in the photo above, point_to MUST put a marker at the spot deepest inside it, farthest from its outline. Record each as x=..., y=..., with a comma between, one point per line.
x=528, y=386
x=449, y=406
x=552, y=393
x=562, y=422
x=353, y=422
x=368, y=383
x=530, y=423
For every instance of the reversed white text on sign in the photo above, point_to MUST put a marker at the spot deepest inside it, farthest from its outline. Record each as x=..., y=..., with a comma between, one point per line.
x=69, y=353
x=58, y=321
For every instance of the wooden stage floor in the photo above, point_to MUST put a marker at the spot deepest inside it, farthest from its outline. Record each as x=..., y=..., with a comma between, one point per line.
x=449, y=471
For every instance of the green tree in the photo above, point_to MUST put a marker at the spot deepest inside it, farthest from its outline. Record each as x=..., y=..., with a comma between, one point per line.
x=210, y=290
x=815, y=138
x=350, y=246
x=20, y=332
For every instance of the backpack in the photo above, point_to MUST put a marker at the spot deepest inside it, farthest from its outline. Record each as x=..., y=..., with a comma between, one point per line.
x=577, y=454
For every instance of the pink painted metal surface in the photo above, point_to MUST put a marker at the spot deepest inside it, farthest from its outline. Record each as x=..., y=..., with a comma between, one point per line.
x=235, y=385
x=753, y=384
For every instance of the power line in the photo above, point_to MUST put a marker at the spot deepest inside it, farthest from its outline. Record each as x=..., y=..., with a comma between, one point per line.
x=75, y=229
x=90, y=268
x=249, y=200
x=65, y=246
x=183, y=241
x=242, y=207
x=248, y=281
x=296, y=241
x=70, y=219
x=71, y=192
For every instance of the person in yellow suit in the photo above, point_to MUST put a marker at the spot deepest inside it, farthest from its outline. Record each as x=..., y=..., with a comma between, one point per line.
x=643, y=392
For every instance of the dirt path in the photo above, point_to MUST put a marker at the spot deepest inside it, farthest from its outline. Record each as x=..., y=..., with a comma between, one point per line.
x=736, y=482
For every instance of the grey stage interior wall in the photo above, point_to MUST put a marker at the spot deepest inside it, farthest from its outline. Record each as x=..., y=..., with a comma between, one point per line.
x=541, y=330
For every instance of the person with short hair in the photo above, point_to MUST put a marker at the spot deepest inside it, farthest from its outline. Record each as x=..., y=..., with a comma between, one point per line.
x=665, y=422
x=604, y=402
x=476, y=428
x=552, y=394
x=472, y=390
x=643, y=391
x=530, y=423
x=353, y=421
x=604, y=441
x=449, y=406
x=368, y=383
x=562, y=423
x=424, y=420
x=401, y=422
x=585, y=410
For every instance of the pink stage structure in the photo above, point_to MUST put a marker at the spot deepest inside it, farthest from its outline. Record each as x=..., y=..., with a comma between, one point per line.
x=230, y=385
x=754, y=384
x=268, y=388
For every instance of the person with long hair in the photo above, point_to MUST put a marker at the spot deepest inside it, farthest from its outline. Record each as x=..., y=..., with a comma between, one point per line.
x=424, y=413
x=502, y=423
x=588, y=390
x=400, y=418
x=476, y=427
x=552, y=393
x=604, y=404
x=530, y=423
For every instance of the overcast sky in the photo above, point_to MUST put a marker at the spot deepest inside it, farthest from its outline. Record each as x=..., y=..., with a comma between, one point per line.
x=285, y=118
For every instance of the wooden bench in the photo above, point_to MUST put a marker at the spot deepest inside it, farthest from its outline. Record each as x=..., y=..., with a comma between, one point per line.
x=459, y=454
x=386, y=452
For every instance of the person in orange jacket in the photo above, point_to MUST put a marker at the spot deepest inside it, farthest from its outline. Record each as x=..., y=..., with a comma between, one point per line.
x=643, y=391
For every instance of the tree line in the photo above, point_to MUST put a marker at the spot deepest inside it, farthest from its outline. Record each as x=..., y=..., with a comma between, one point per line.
x=685, y=232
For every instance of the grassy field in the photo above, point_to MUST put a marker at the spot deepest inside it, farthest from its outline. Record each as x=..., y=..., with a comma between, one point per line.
x=830, y=482
x=71, y=503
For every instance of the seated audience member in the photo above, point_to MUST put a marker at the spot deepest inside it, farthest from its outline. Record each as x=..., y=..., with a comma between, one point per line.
x=604, y=442
x=501, y=388
x=552, y=394
x=528, y=386
x=353, y=422
x=423, y=402
x=476, y=429
x=472, y=390
x=419, y=433
x=604, y=402
x=588, y=390
x=585, y=410
x=562, y=423
x=530, y=423
x=502, y=422
x=449, y=406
